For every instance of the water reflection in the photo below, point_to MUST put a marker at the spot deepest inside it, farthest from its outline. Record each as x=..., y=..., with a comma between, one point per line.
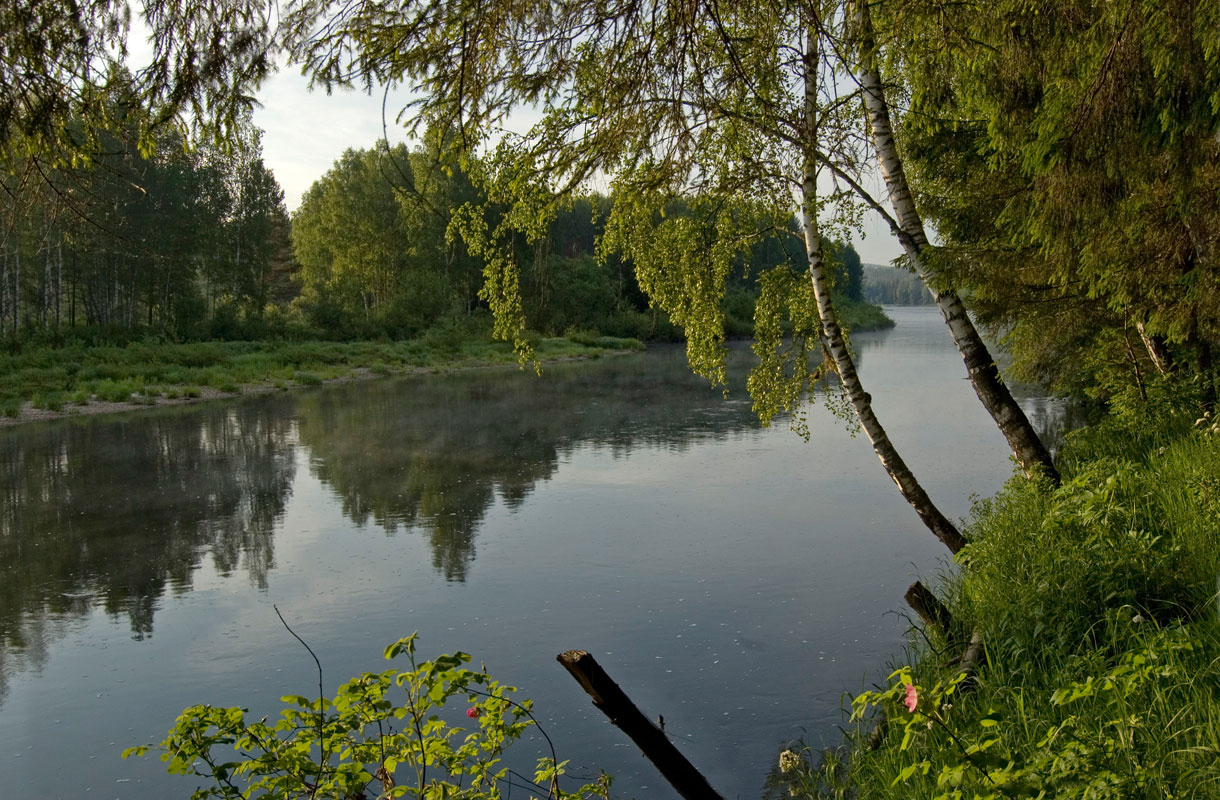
x=113, y=514
x=436, y=453
x=621, y=503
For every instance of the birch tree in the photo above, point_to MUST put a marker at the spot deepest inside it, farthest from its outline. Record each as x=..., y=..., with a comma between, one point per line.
x=206, y=57
x=734, y=109
x=349, y=234
x=909, y=228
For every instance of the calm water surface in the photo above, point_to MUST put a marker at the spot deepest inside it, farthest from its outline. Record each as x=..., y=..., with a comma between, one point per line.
x=735, y=579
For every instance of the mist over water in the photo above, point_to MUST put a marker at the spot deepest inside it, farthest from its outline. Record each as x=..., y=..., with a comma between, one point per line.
x=735, y=579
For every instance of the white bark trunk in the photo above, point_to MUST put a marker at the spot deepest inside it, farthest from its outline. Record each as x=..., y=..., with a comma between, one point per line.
x=45, y=311
x=980, y=366
x=835, y=342
x=59, y=282
x=16, y=293
x=1157, y=353
x=4, y=295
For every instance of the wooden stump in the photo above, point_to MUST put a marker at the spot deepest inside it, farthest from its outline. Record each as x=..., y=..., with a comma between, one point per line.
x=651, y=740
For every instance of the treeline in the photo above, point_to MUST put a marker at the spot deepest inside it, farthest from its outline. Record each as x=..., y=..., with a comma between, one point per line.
x=891, y=286
x=194, y=243
x=377, y=256
x=145, y=233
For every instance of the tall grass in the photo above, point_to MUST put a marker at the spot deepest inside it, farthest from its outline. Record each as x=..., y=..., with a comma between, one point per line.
x=1098, y=605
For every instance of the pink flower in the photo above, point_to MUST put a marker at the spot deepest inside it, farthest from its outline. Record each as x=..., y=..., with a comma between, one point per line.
x=473, y=712
x=912, y=698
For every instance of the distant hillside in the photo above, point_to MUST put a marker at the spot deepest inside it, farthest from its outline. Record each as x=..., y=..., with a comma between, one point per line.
x=892, y=286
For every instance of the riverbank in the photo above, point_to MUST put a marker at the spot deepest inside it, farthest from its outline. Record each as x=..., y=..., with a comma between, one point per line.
x=41, y=383
x=1097, y=605
x=860, y=317
x=50, y=383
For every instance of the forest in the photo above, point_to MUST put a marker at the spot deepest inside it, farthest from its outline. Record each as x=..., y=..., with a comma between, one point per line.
x=167, y=244
x=194, y=244
x=1051, y=172
x=893, y=286
x=151, y=236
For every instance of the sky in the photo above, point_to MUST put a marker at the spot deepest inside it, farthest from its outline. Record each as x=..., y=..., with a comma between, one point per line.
x=306, y=131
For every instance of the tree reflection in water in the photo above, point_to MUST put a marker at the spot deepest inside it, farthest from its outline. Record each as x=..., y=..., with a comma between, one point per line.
x=114, y=513
x=435, y=453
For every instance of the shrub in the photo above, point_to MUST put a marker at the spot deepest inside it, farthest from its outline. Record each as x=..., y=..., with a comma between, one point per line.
x=51, y=401
x=116, y=391
x=390, y=729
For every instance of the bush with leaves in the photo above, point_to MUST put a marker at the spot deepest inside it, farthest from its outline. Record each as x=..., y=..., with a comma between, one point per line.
x=383, y=735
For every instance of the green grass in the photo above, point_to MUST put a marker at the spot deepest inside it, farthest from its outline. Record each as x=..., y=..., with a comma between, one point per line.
x=595, y=339
x=859, y=316
x=50, y=401
x=307, y=378
x=53, y=377
x=1098, y=604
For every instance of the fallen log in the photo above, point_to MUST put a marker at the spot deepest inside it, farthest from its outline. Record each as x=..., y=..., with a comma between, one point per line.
x=652, y=741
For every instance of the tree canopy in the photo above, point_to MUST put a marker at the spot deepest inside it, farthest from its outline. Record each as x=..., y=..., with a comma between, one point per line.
x=370, y=236
x=59, y=70
x=1069, y=160
x=154, y=237
x=732, y=110
x=1053, y=189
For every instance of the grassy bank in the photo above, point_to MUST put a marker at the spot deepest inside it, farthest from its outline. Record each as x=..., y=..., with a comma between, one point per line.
x=860, y=316
x=81, y=371
x=58, y=379
x=1097, y=605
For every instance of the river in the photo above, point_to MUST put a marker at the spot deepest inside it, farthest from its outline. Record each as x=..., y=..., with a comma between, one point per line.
x=733, y=578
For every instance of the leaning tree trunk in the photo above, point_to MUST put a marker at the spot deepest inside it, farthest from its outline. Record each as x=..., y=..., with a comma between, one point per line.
x=980, y=366
x=860, y=400
x=1158, y=353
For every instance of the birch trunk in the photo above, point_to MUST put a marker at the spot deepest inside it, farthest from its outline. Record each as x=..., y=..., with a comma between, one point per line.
x=4, y=294
x=860, y=400
x=59, y=281
x=45, y=311
x=980, y=366
x=16, y=293
x=1158, y=353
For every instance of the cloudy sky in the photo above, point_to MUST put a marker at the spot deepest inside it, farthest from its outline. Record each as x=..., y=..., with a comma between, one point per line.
x=305, y=131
